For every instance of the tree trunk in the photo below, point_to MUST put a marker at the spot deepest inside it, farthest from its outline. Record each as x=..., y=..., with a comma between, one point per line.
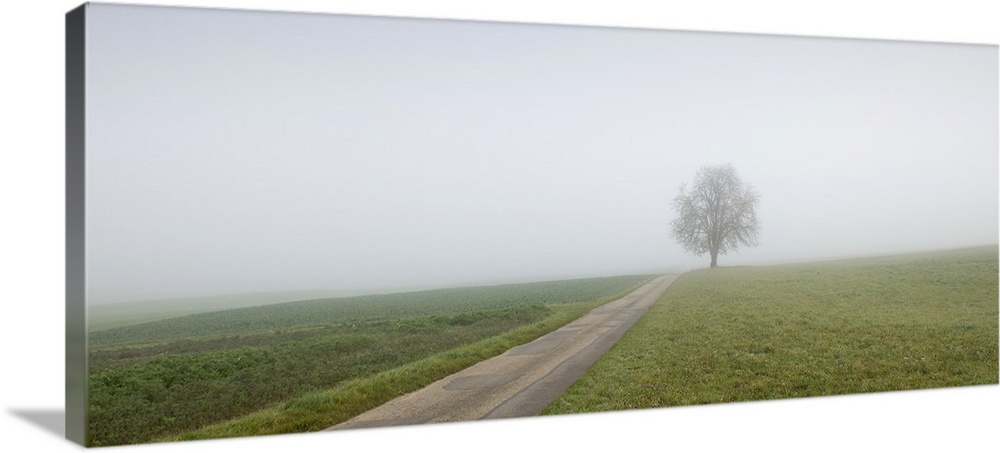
x=715, y=258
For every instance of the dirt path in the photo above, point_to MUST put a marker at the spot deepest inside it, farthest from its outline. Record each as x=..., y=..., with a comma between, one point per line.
x=525, y=379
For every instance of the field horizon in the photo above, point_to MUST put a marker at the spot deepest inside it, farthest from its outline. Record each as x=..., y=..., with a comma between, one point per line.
x=106, y=315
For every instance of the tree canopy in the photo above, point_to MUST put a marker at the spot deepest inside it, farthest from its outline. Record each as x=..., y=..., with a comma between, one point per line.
x=717, y=214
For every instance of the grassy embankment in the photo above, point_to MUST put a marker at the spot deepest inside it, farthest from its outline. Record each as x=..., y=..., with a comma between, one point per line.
x=307, y=365
x=902, y=322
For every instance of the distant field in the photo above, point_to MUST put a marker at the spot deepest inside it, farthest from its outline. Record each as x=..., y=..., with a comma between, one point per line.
x=166, y=378
x=108, y=316
x=755, y=333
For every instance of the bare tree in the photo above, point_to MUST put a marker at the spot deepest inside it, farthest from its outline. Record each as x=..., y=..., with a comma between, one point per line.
x=718, y=214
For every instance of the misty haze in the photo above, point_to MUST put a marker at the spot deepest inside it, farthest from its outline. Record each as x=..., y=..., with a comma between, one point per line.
x=355, y=154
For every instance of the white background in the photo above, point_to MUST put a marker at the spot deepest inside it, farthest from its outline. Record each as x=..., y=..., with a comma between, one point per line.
x=32, y=247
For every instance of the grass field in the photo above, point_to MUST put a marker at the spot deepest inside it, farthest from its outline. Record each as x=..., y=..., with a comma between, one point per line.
x=306, y=365
x=720, y=335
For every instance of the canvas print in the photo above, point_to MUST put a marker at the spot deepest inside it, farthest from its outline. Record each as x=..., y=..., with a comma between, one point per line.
x=284, y=222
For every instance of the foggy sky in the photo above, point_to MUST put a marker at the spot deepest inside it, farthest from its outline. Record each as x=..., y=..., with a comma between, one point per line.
x=233, y=151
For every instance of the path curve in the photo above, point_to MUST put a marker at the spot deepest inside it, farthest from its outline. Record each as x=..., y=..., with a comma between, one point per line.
x=524, y=380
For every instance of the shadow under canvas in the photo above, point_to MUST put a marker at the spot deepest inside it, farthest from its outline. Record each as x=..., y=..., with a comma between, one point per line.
x=51, y=420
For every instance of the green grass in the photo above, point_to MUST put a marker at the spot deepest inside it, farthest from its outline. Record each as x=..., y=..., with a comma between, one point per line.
x=911, y=321
x=163, y=379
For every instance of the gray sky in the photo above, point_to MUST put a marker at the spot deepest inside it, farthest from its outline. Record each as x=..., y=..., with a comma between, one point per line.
x=236, y=151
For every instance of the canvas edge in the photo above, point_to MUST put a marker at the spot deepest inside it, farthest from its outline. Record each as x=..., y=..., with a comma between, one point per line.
x=76, y=330
x=76, y=316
